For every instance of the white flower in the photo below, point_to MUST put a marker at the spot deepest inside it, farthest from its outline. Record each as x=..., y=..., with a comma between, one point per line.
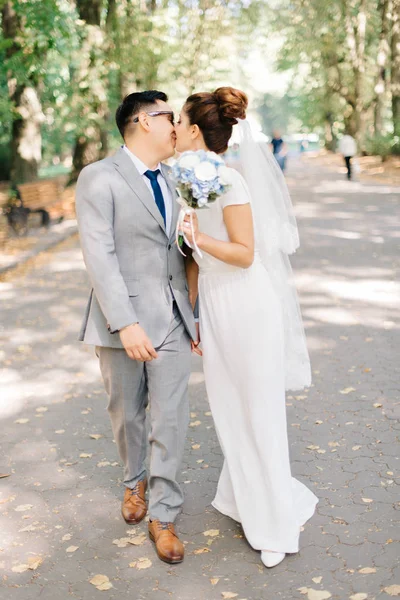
x=224, y=175
x=213, y=156
x=202, y=201
x=205, y=171
x=188, y=160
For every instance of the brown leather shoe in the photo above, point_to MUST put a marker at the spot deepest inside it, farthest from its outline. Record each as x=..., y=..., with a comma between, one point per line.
x=134, y=506
x=169, y=547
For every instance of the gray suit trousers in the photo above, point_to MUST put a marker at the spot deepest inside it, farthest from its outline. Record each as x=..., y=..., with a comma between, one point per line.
x=161, y=383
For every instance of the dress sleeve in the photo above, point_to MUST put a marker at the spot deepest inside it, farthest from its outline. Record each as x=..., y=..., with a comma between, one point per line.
x=238, y=193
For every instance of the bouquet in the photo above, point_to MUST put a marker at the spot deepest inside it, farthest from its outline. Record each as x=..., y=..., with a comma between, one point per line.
x=200, y=178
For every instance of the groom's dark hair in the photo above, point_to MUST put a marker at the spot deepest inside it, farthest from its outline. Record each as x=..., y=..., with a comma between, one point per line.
x=132, y=104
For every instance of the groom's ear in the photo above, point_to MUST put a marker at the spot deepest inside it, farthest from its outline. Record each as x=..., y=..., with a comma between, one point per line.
x=144, y=120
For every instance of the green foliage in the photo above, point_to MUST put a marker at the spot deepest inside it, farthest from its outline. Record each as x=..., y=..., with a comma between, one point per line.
x=44, y=25
x=82, y=70
x=332, y=58
x=382, y=146
x=275, y=113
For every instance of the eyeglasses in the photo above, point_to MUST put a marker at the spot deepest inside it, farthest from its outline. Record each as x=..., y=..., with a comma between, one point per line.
x=156, y=113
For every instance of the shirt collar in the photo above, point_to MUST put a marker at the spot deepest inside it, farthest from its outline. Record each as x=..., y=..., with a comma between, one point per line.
x=141, y=167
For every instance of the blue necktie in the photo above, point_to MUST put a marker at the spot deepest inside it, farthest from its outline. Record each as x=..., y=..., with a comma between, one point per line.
x=152, y=175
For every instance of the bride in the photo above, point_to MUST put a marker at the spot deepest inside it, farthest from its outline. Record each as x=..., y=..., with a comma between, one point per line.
x=251, y=329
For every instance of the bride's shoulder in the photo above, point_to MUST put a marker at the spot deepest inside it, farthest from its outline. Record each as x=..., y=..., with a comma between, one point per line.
x=237, y=180
x=238, y=192
x=235, y=175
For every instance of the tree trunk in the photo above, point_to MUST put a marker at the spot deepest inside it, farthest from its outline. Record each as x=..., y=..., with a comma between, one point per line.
x=356, y=36
x=26, y=139
x=396, y=68
x=382, y=63
x=330, y=136
x=91, y=82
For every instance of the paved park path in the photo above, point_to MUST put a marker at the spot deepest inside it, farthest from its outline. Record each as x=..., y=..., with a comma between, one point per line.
x=60, y=521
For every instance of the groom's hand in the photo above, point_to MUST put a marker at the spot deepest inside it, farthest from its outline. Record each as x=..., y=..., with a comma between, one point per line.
x=136, y=343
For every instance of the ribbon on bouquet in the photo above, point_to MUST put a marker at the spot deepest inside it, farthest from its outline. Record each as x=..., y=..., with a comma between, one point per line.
x=185, y=210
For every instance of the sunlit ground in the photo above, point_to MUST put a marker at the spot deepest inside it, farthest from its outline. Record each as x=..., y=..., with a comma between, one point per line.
x=60, y=501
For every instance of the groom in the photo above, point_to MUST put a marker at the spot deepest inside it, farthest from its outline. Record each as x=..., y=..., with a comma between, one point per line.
x=139, y=316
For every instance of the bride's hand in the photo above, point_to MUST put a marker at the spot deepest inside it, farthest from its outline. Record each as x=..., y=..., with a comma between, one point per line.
x=188, y=229
x=195, y=345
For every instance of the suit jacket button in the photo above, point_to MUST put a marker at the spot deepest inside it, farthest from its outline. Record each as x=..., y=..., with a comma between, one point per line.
x=169, y=246
x=170, y=277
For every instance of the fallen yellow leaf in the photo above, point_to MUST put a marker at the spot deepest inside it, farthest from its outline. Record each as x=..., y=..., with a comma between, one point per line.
x=34, y=562
x=122, y=542
x=201, y=550
x=143, y=563
x=367, y=570
x=28, y=528
x=211, y=532
x=347, y=390
x=20, y=568
x=392, y=590
x=101, y=582
x=318, y=594
x=138, y=539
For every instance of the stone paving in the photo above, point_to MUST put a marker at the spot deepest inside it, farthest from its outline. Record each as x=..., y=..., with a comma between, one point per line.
x=60, y=504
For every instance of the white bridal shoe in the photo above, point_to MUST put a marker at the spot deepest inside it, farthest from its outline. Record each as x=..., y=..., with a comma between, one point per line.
x=271, y=559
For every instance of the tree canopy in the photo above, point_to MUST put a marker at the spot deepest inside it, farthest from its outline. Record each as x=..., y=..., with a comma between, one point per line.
x=66, y=65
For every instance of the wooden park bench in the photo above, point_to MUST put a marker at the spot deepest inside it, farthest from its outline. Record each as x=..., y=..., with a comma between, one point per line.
x=50, y=195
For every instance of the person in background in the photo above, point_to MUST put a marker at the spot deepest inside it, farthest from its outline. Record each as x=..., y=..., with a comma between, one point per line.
x=303, y=146
x=279, y=149
x=348, y=148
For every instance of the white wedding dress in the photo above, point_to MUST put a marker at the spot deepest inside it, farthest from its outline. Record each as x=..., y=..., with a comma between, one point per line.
x=242, y=334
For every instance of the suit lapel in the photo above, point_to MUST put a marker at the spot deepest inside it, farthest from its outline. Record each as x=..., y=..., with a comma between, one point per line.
x=128, y=171
x=175, y=206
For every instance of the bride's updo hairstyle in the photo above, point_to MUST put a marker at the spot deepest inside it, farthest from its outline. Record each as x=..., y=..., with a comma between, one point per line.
x=215, y=114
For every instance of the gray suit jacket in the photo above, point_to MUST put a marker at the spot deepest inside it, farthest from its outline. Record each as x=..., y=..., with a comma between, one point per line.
x=136, y=271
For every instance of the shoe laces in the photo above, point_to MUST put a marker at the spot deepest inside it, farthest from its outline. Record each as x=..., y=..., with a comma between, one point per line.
x=165, y=526
x=136, y=490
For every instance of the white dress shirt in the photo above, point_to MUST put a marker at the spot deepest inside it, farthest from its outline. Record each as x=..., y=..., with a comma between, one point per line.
x=348, y=146
x=142, y=168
